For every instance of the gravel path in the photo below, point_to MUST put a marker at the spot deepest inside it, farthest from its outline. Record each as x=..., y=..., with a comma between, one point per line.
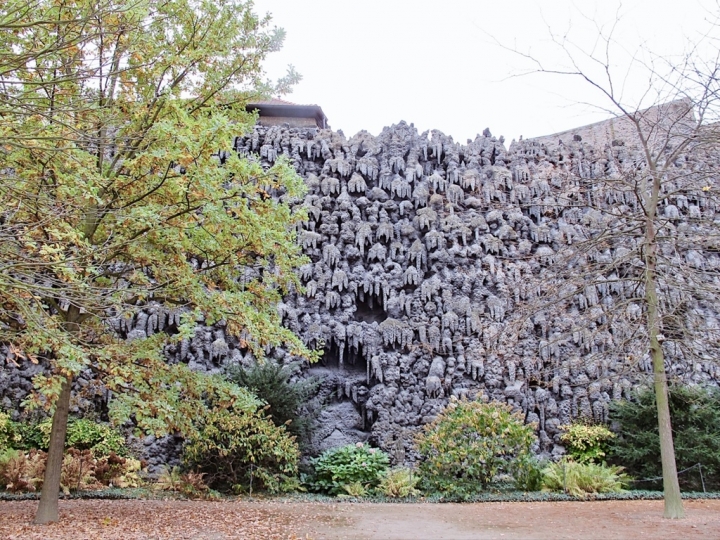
x=153, y=519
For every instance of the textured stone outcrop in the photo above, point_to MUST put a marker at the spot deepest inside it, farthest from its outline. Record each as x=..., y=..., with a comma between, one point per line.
x=422, y=252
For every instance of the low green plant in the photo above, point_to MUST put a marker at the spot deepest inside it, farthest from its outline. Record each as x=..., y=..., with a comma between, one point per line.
x=528, y=475
x=586, y=443
x=399, y=482
x=28, y=434
x=695, y=414
x=471, y=442
x=243, y=451
x=101, y=439
x=350, y=464
x=6, y=432
x=82, y=434
x=354, y=489
x=582, y=479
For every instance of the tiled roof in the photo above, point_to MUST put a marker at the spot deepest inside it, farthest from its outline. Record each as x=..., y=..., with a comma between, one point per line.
x=273, y=101
x=277, y=101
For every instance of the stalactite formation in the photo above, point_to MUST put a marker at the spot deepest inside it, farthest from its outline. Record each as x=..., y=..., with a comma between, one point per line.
x=423, y=253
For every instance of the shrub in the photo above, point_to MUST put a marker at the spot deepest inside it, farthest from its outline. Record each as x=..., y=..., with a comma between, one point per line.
x=243, y=451
x=581, y=479
x=190, y=484
x=469, y=443
x=102, y=439
x=695, y=413
x=347, y=465
x=354, y=489
x=22, y=472
x=6, y=432
x=399, y=482
x=78, y=471
x=118, y=471
x=169, y=479
x=587, y=443
x=82, y=434
x=288, y=401
x=528, y=474
x=29, y=435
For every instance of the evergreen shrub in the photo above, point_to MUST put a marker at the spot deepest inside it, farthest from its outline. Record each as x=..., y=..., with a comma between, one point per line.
x=695, y=418
x=288, y=400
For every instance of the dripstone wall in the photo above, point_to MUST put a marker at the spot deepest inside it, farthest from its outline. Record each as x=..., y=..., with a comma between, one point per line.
x=422, y=251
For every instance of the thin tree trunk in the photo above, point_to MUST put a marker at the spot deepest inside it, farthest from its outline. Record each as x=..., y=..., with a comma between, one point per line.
x=671, y=487
x=47, y=511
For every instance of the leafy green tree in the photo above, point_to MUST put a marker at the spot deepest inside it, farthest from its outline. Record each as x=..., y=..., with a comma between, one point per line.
x=117, y=192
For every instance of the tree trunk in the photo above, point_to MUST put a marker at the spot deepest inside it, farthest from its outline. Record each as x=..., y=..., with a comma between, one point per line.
x=47, y=511
x=671, y=487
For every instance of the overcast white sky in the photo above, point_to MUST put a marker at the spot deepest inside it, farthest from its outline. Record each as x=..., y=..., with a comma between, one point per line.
x=437, y=64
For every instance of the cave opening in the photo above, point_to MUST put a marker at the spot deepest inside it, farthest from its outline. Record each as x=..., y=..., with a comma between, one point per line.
x=369, y=309
x=353, y=361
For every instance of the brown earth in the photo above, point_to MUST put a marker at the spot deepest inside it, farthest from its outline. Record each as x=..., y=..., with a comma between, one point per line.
x=154, y=519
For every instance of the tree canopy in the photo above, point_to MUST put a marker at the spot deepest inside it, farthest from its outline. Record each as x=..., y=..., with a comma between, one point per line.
x=118, y=191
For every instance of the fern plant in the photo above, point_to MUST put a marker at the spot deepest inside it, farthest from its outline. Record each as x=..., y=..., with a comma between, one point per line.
x=582, y=479
x=398, y=483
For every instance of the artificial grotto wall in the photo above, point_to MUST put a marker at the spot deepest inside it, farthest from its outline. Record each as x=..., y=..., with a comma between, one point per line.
x=422, y=252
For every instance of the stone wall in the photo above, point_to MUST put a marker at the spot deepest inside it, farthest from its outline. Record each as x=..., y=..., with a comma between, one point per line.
x=423, y=252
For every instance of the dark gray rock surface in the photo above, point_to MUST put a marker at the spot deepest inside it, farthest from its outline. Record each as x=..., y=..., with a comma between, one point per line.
x=423, y=253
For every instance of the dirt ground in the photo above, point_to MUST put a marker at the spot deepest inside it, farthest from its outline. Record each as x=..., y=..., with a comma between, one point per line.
x=152, y=519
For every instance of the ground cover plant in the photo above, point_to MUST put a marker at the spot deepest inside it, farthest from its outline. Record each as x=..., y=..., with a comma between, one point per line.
x=582, y=479
x=22, y=470
x=399, y=482
x=470, y=443
x=189, y=484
